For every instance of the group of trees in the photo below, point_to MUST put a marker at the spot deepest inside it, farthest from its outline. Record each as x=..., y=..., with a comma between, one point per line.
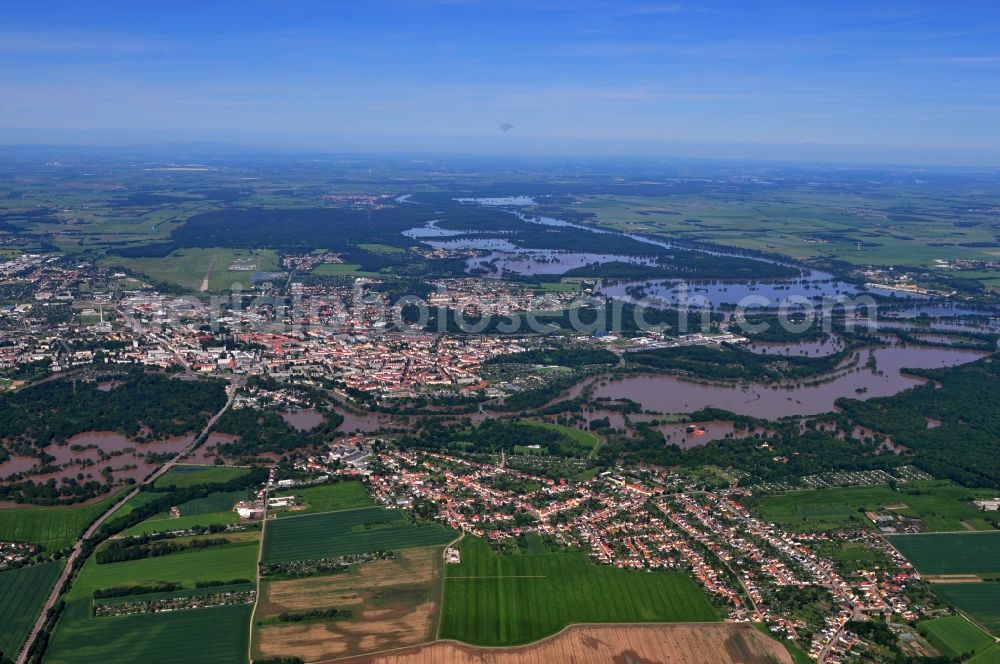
x=144, y=406
x=965, y=400
x=727, y=362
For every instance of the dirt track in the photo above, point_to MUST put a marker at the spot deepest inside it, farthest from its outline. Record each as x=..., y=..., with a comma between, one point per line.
x=612, y=644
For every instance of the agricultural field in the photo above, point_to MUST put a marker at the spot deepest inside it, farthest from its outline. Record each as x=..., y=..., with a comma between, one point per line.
x=340, y=270
x=952, y=553
x=185, y=475
x=666, y=644
x=941, y=506
x=954, y=636
x=24, y=592
x=216, y=634
x=190, y=267
x=493, y=600
x=163, y=522
x=218, y=502
x=807, y=225
x=326, y=498
x=53, y=528
x=347, y=532
x=218, y=563
x=394, y=603
x=988, y=656
x=981, y=601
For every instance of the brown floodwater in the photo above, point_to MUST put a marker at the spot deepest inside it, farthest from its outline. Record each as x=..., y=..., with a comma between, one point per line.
x=303, y=420
x=125, y=457
x=669, y=394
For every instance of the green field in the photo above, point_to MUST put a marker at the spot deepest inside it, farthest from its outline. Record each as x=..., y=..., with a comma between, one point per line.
x=505, y=600
x=163, y=522
x=582, y=438
x=51, y=527
x=188, y=267
x=981, y=601
x=217, y=634
x=383, y=249
x=327, y=498
x=942, y=506
x=184, y=475
x=23, y=591
x=218, y=502
x=803, y=225
x=954, y=636
x=340, y=270
x=952, y=553
x=988, y=656
x=347, y=532
x=217, y=563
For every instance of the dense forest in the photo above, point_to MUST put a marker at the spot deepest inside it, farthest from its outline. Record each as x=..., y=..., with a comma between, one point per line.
x=143, y=407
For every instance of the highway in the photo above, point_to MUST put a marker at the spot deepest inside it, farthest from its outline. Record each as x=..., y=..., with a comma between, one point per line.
x=78, y=545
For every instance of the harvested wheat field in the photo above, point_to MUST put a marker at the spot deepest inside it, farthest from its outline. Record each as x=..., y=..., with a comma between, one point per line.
x=612, y=644
x=395, y=603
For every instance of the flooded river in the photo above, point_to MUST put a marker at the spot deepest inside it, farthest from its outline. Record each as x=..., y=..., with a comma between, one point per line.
x=669, y=394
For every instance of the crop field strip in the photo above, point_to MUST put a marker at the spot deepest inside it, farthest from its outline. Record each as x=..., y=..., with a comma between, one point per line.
x=954, y=636
x=508, y=600
x=51, y=527
x=951, y=553
x=980, y=601
x=346, y=532
x=216, y=634
x=23, y=592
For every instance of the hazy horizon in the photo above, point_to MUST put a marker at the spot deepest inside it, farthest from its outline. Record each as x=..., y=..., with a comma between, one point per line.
x=900, y=82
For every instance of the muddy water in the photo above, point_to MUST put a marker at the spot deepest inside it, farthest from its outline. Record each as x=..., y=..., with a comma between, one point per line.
x=303, y=420
x=102, y=449
x=669, y=394
x=545, y=261
x=704, y=432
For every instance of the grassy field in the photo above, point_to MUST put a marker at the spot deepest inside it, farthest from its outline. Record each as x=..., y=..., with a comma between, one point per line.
x=954, y=636
x=383, y=249
x=981, y=601
x=988, y=656
x=23, y=591
x=51, y=527
x=216, y=634
x=327, y=498
x=952, y=553
x=188, y=267
x=219, y=502
x=346, y=532
x=803, y=225
x=217, y=563
x=184, y=475
x=582, y=438
x=340, y=270
x=162, y=522
x=505, y=600
x=941, y=505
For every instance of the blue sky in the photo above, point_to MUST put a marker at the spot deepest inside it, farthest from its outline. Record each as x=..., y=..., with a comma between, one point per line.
x=890, y=81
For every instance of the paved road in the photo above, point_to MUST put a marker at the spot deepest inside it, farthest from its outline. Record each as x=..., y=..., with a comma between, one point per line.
x=78, y=545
